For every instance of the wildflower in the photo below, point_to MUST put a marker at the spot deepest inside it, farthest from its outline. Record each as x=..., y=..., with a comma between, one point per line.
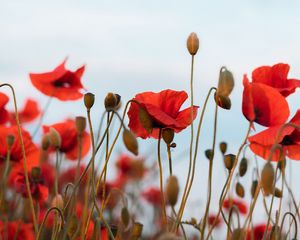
x=263, y=104
x=211, y=219
x=60, y=83
x=276, y=76
x=28, y=114
x=4, y=115
x=16, y=230
x=261, y=143
x=153, y=196
x=163, y=109
x=257, y=233
x=240, y=205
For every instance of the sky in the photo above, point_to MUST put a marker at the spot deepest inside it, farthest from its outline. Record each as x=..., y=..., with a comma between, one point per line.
x=134, y=46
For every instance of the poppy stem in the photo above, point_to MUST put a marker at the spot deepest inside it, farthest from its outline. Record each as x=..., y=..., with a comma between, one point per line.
x=294, y=220
x=170, y=159
x=35, y=224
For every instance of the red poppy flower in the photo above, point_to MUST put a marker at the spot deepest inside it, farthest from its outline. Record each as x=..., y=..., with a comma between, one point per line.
x=16, y=230
x=262, y=142
x=153, y=196
x=69, y=141
x=263, y=104
x=16, y=157
x=4, y=115
x=211, y=219
x=60, y=83
x=133, y=168
x=276, y=77
x=29, y=112
x=257, y=233
x=163, y=108
x=240, y=205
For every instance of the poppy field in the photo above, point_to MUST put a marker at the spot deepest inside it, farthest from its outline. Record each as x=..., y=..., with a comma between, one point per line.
x=66, y=180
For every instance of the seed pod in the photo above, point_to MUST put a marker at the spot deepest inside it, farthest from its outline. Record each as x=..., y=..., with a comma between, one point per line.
x=145, y=120
x=209, y=154
x=125, y=216
x=223, y=147
x=46, y=142
x=192, y=43
x=278, y=193
x=111, y=101
x=168, y=135
x=243, y=166
x=73, y=226
x=10, y=139
x=55, y=138
x=237, y=234
x=36, y=174
x=172, y=190
x=222, y=101
x=226, y=82
x=254, y=187
x=136, y=231
x=130, y=141
x=267, y=178
x=229, y=161
x=80, y=124
x=239, y=189
x=89, y=100
x=58, y=202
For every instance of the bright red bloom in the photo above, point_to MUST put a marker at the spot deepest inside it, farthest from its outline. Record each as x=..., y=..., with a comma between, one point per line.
x=29, y=112
x=262, y=142
x=153, y=196
x=211, y=219
x=4, y=115
x=16, y=230
x=133, y=168
x=60, y=83
x=257, y=233
x=31, y=150
x=69, y=140
x=163, y=108
x=240, y=205
x=263, y=104
x=276, y=77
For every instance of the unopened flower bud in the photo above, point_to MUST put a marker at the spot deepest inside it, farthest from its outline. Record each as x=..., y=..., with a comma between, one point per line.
x=80, y=123
x=267, y=178
x=125, y=216
x=229, y=161
x=243, y=167
x=253, y=188
x=10, y=139
x=136, y=231
x=209, y=154
x=111, y=101
x=130, y=141
x=278, y=193
x=226, y=82
x=192, y=43
x=46, y=142
x=239, y=189
x=168, y=135
x=89, y=100
x=223, y=147
x=54, y=137
x=222, y=101
x=172, y=190
x=58, y=202
x=145, y=120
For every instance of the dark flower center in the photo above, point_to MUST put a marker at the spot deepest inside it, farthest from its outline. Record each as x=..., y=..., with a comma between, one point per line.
x=287, y=140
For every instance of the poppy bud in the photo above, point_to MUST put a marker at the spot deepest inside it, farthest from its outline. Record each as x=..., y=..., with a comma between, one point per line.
x=278, y=193
x=46, y=142
x=172, y=190
x=55, y=138
x=243, y=166
x=111, y=101
x=193, y=221
x=130, y=141
x=168, y=135
x=222, y=101
x=125, y=216
x=239, y=189
x=36, y=174
x=223, y=147
x=136, y=231
x=192, y=43
x=145, y=120
x=253, y=188
x=238, y=234
x=10, y=139
x=58, y=202
x=72, y=226
x=209, y=154
x=80, y=123
x=229, y=161
x=267, y=178
x=89, y=100
x=226, y=82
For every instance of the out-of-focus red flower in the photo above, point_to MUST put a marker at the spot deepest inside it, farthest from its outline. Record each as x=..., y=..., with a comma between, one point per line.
x=4, y=115
x=153, y=196
x=163, y=108
x=276, y=76
x=240, y=205
x=263, y=104
x=257, y=233
x=38, y=189
x=16, y=230
x=60, y=83
x=69, y=176
x=16, y=157
x=211, y=219
x=28, y=114
x=130, y=167
x=262, y=142
x=69, y=139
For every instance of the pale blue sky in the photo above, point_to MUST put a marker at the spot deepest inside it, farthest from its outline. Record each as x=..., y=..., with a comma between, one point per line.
x=134, y=46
